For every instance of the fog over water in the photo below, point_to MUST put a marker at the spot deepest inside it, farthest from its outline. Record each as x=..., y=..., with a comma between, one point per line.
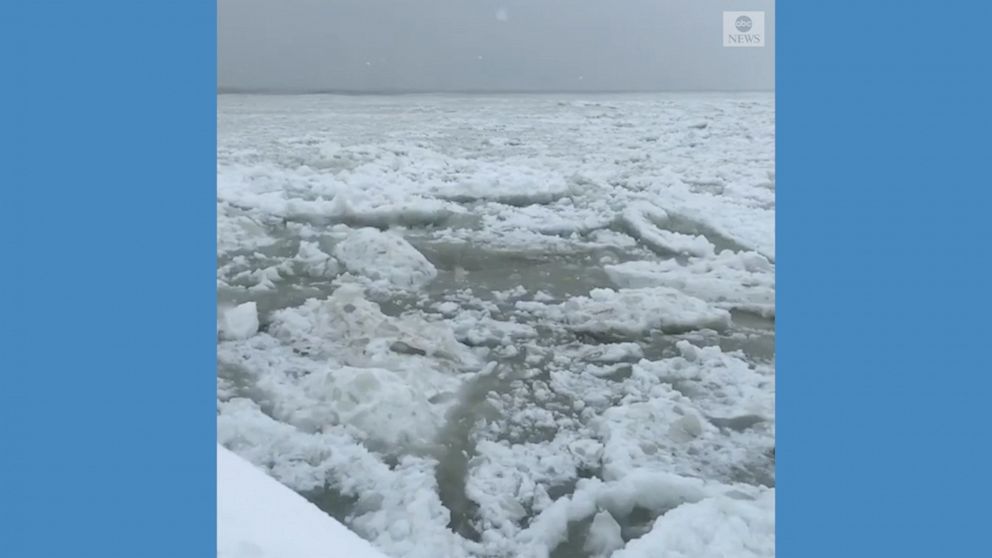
x=484, y=45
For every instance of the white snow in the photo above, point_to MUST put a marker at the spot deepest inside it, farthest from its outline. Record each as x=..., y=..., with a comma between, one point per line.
x=259, y=518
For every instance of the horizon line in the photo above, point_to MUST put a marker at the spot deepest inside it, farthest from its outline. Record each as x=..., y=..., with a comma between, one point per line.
x=229, y=90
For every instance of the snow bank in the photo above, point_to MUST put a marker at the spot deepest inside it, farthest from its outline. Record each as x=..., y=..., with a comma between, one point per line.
x=399, y=509
x=259, y=518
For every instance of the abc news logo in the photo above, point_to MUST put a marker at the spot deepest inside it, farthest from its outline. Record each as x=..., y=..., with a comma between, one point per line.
x=743, y=29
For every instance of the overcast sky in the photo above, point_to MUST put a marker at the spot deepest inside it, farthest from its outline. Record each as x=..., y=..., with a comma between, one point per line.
x=457, y=45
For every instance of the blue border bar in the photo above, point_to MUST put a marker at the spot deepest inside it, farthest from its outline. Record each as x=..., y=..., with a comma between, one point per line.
x=108, y=394
x=884, y=208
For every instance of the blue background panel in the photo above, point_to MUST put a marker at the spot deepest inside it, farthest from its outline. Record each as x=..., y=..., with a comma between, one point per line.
x=108, y=391
x=883, y=208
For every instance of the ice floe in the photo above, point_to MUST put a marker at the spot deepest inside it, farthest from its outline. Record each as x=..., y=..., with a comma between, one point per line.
x=384, y=258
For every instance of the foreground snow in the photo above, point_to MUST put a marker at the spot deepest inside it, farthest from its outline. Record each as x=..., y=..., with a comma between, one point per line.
x=259, y=518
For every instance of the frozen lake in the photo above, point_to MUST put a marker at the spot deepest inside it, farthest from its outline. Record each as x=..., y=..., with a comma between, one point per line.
x=501, y=326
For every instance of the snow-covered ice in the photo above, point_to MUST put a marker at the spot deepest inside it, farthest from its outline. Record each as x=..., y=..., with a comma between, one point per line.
x=497, y=326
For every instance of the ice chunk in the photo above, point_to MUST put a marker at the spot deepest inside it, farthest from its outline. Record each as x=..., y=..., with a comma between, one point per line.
x=447, y=308
x=506, y=479
x=713, y=528
x=723, y=384
x=518, y=186
x=386, y=258
x=238, y=232
x=609, y=353
x=646, y=435
x=239, y=322
x=744, y=281
x=315, y=262
x=604, y=535
x=632, y=312
x=378, y=402
x=645, y=221
x=655, y=491
x=474, y=328
x=353, y=330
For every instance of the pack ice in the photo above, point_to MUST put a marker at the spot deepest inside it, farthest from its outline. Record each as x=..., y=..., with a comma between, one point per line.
x=472, y=326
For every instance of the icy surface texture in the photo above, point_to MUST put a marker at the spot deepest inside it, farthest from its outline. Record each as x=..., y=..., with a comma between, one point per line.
x=495, y=327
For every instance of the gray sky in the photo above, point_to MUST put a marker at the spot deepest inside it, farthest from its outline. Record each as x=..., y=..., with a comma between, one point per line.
x=457, y=45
